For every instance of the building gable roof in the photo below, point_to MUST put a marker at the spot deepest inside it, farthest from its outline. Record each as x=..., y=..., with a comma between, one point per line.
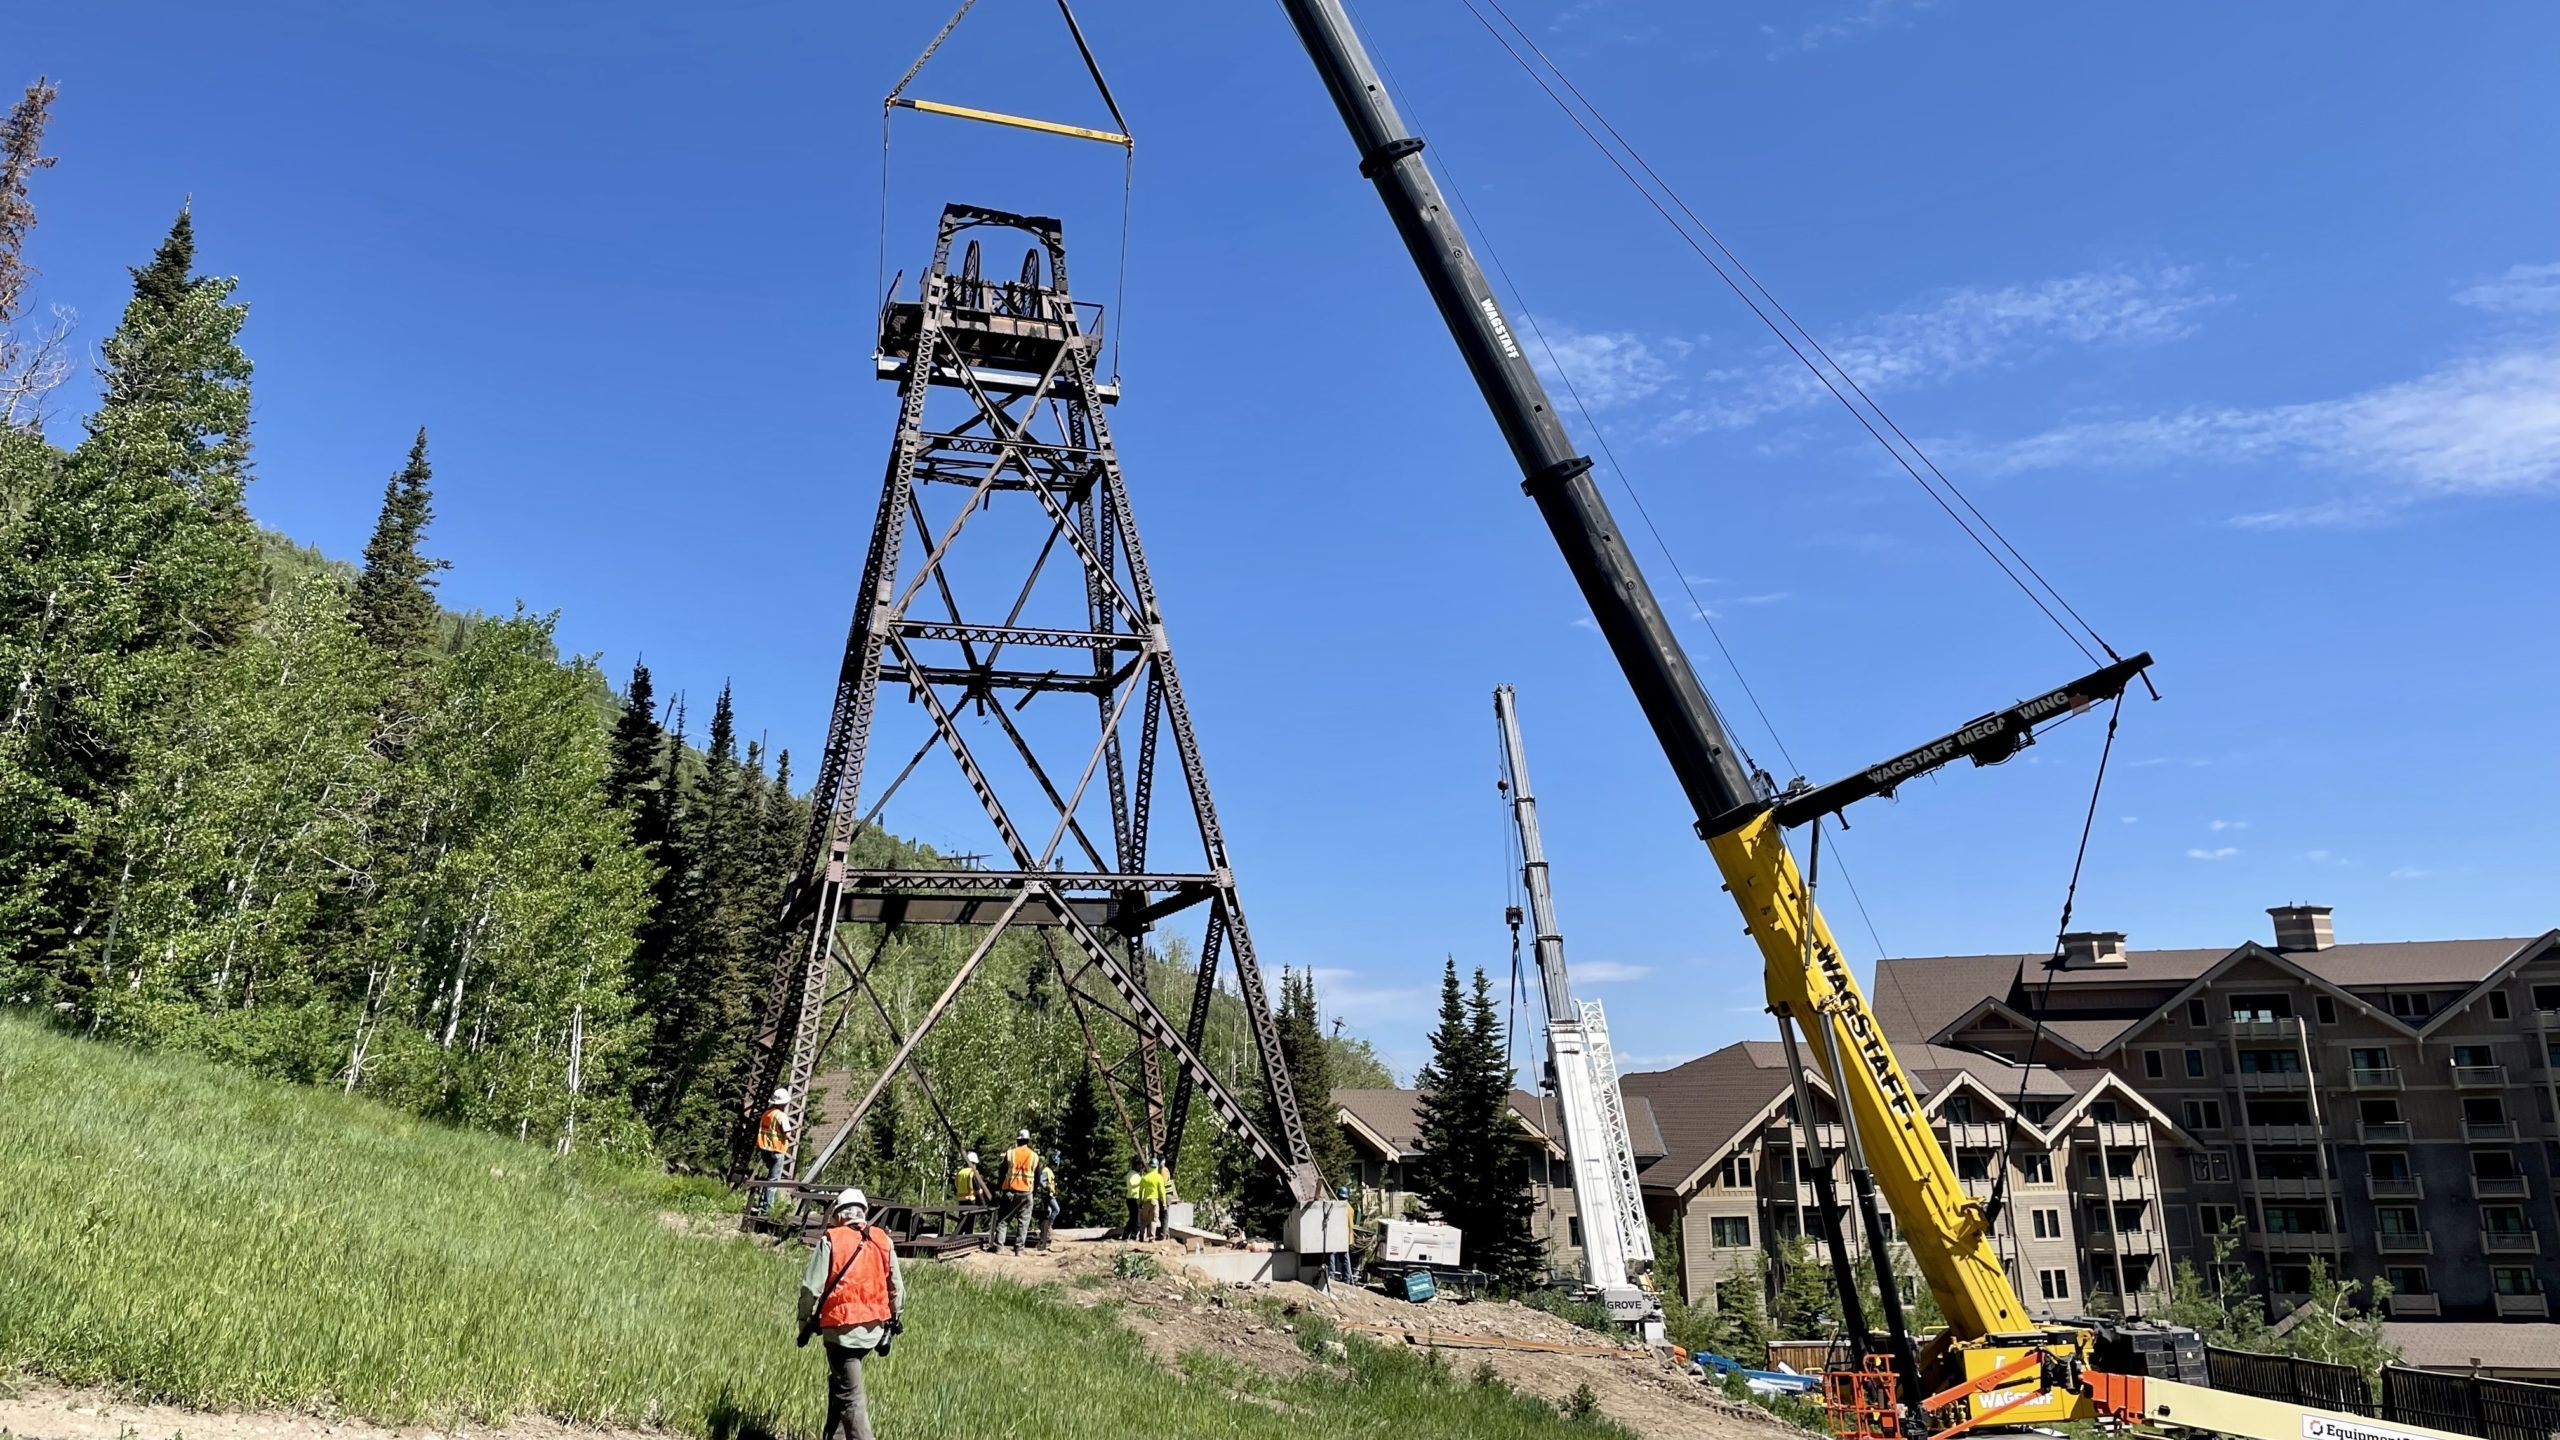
x=2546, y=943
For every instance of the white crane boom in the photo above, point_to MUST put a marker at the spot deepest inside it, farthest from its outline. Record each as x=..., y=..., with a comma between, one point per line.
x=1616, y=1245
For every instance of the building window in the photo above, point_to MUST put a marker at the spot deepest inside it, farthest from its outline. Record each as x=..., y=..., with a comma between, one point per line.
x=2408, y=1279
x=2410, y=1006
x=1973, y=1165
x=2546, y=997
x=2486, y=1110
x=1742, y=1171
x=2513, y=1280
x=2497, y=1004
x=2493, y=1164
x=2387, y=1164
x=2056, y=1284
x=1729, y=1232
x=2035, y=1169
x=2214, y=1219
x=2151, y=1065
x=2327, y=1009
x=2120, y=1164
x=2195, y=1014
x=2289, y=1279
x=2270, y=1062
x=2502, y=1219
x=2378, y=1112
x=1782, y=1167
x=2095, y=1167
x=2397, y=1219
x=2195, y=1064
x=2296, y=1219
x=2204, y=1115
x=2048, y=1224
x=2469, y=1056
x=1573, y=1231
x=2104, y=1112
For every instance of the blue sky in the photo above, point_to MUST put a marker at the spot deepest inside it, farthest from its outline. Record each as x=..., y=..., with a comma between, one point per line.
x=2245, y=323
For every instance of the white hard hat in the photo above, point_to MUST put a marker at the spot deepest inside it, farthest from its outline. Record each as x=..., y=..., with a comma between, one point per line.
x=782, y=1096
x=1021, y=1134
x=973, y=1157
x=850, y=1198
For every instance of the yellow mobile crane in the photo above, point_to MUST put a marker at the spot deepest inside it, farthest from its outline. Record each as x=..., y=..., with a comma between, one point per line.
x=1994, y=1363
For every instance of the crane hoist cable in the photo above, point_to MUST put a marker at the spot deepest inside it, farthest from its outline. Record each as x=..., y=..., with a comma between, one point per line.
x=897, y=99
x=1872, y=416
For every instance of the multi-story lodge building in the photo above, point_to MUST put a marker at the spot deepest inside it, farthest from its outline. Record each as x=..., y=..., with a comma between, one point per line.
x=2388, y=1109
x=2086, y=1155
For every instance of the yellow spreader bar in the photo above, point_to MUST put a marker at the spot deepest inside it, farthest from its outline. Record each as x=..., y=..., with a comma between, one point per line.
x=1019, y=122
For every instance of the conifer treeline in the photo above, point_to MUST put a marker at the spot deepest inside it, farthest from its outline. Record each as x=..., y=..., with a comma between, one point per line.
x=322, y=829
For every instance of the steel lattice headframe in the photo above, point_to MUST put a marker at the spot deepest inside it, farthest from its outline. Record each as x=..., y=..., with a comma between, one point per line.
x=999, y=401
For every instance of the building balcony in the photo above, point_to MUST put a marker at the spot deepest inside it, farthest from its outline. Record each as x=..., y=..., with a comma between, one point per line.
x=2386, y=1077
x=2405, y=1242
x=2303, y=1134
x=2523, y=1307
x=2135, y=1241
x=2480, y=1077
x=2115, y=1134
x=2511, y=1242
x=2488, y=1129
x=2383, y=1132
x=1976, y=1135
x=2395, y=1187
x=2507, y=1187
x=2303, y=1187
x=2293, y=1242
x=2406, y=1307
x=2239, y=1029
x=2261, y=1081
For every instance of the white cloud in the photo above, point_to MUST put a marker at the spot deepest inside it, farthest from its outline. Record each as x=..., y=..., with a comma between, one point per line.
x=2221, y=825
x=1873, y=15
x=2485, y=424
x=2523, y=290
x=1605, y=369
x=1363, y=1004
x=2224, y=852
x=1585, y=622
x=1954, y=333
x=2130, y=819
x=2410, y=872
x=1604, y=972
x=1771, y=598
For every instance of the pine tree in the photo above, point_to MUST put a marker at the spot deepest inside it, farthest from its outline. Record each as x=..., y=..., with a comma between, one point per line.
x=1088, y=1157
x=714, y=966
x=132, y=562
x=637, y=736
x=1805, y=1307
x=1469, y=1169
x=395, y=603
x=30, y=364
x=163, y=284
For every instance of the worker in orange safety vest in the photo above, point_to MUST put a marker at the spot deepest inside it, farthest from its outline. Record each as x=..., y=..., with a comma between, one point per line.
x=773, y=1141
x=1021, y=1177
x=853, y=1293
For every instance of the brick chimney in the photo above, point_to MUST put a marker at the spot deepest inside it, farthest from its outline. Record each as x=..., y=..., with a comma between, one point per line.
x=2302, y=927
x=2093, y=950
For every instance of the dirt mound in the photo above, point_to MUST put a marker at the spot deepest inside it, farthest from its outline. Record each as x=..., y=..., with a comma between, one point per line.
x=1177, y=1310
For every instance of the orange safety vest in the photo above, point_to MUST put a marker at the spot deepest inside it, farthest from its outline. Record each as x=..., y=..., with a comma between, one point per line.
x=858, y=1292
x=773, y=1132
x=1019, y=1169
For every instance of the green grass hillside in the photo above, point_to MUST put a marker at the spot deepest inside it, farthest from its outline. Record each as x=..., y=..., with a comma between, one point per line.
x=194, y=1235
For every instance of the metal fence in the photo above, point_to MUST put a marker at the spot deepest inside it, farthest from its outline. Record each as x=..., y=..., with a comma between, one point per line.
x=2470, y=1404
x=2297, y=1382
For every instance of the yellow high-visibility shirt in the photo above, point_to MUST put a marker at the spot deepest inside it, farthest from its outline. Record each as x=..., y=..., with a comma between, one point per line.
x=1132, y=1183
x=964, y=1184
x=1153, y=1185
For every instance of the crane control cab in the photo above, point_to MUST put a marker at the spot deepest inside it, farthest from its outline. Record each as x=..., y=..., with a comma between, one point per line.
x=1995, y=1364
x=1617, y=1245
